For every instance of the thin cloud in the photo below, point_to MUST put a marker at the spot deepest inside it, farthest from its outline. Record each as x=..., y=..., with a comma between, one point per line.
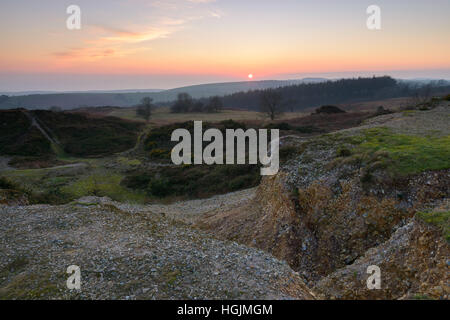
x=202, y=1
x=86, y=52
x=111, y=41
x=136, y=37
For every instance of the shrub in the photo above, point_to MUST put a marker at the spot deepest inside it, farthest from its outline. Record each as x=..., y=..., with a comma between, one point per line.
x=6, y=184
x=160, y=187
x=308, y=129
x=287, y=152
x=343, y=152
x=280, y=126
x=159, y=154
x=240, y=182
x=329, y=110
x=194, y=181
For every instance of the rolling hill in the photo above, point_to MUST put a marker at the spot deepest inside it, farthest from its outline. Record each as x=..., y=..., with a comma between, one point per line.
x=127, y=98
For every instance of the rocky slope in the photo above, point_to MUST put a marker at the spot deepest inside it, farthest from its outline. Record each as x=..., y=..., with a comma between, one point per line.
x=128, y=252
x=331, y=216
x=413, y=264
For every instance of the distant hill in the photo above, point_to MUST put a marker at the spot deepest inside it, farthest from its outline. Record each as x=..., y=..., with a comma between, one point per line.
x=300, y=93
x=127, y=98
x=26, y=93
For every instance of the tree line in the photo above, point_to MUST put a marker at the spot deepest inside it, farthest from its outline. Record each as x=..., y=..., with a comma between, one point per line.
x=307, y=95
x=272, y=102
x=184, y=104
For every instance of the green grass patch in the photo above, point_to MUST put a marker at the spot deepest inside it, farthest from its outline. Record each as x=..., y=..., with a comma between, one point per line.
x=407, y=154
x=399, y=154
x=129, y=162
x=60, y=186
x=102, y=184
x=439, y=219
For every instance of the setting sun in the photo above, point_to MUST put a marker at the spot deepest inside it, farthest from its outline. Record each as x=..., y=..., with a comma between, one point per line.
x=250, y=76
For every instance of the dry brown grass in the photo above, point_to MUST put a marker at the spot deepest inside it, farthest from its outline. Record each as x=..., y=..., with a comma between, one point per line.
x=163, y=116
x=392, y=103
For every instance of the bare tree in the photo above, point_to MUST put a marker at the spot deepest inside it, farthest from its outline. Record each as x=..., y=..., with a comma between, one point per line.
x=198, y=107
x=214, y=105
x=183, y=104
x=144, y=110
x=422, y=95
x=270, y=103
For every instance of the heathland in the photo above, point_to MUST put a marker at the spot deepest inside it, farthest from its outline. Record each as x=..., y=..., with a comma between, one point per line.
x=95, y=188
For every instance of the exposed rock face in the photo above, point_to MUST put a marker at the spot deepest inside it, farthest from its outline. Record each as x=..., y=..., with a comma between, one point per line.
x=330, y=222
x=316, y=232
x=268, y=222
x=413, y=264
x=331, y=238
x=344, y=225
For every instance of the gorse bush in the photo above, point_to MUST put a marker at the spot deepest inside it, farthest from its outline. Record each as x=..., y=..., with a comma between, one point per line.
x=193, y=181
x=159, y=187
x=343, y=152
x=6, y=184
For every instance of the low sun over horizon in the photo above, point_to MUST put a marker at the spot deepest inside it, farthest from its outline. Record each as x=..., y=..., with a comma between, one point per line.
x=125, y=44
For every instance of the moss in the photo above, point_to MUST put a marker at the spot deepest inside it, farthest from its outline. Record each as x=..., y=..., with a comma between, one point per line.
x=172, y=277
x=422, y=297
x=29, y=286
x=18, y=264
x=102, y=184
x=407, y=113
x=160, y=154
x=439, y=219
x=129, y=162
x=400, y=154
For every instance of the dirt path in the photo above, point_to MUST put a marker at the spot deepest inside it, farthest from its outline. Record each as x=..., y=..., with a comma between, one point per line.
x=35, y=122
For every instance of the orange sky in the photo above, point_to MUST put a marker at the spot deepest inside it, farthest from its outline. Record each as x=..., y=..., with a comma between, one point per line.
x=226, y=39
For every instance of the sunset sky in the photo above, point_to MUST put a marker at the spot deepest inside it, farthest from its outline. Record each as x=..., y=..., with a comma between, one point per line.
x=126, y=44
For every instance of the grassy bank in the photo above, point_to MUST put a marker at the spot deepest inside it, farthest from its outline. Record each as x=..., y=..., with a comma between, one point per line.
x=398, y=154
